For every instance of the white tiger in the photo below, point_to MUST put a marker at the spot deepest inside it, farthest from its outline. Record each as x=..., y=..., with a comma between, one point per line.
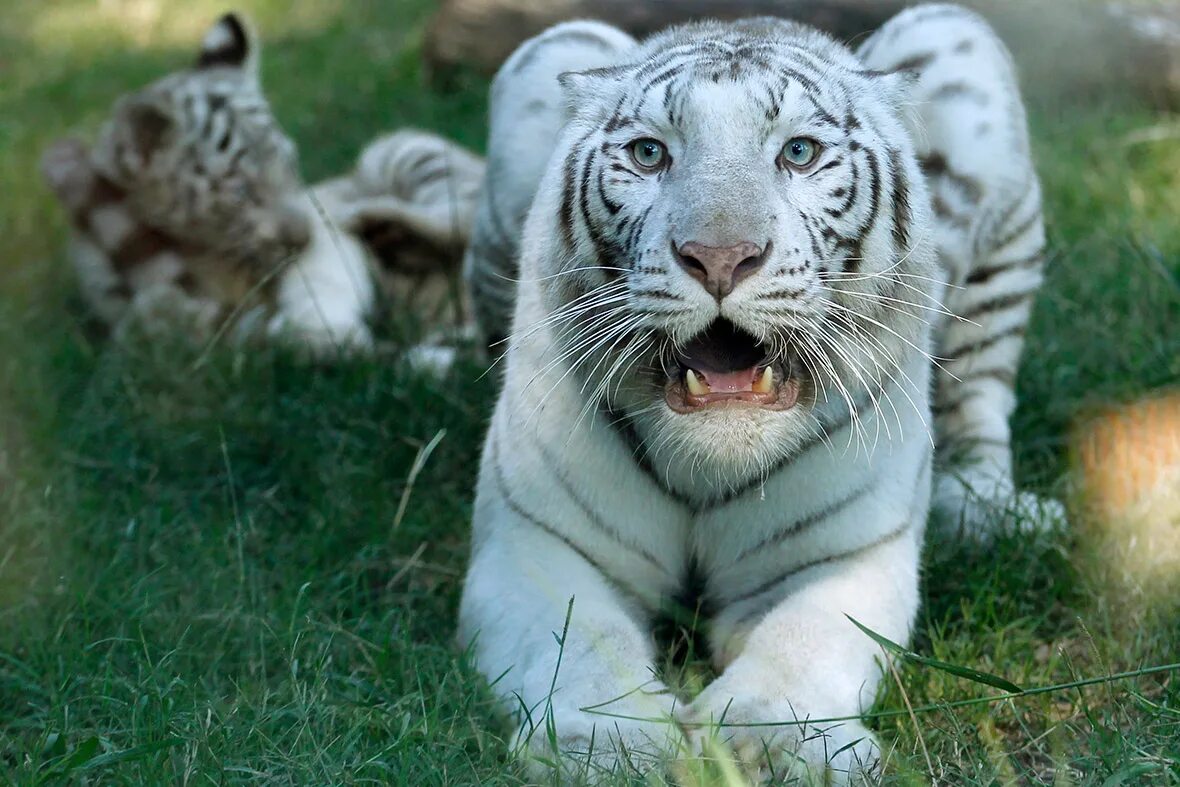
x=719, y=369
x=190, y=205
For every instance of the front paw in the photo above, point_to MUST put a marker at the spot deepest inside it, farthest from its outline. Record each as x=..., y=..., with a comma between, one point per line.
x=981, y=505
x=574, y=746
x=319, y=340
x=161, y=310
x=67, y=170
x=775, y=742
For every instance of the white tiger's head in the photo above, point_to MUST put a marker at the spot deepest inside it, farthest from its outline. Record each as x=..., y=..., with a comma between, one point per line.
x=202, y=158
x=741, y=236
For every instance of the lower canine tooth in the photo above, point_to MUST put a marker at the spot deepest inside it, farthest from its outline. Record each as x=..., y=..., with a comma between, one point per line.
x=695, y=386
x=765, y=383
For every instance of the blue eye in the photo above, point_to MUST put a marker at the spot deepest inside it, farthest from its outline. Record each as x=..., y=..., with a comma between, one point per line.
x=800, y=152
x=649, y=154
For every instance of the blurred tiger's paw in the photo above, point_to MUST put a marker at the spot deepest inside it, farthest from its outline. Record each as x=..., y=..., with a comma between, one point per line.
x=582, y=748
x=67, y=170
x=793, y=751
x=982, y=506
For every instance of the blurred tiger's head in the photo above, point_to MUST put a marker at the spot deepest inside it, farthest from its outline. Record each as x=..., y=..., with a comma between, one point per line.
x=202, y=158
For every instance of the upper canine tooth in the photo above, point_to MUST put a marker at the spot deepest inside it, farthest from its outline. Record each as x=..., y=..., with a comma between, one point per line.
x=765, y=383
x=695, y=386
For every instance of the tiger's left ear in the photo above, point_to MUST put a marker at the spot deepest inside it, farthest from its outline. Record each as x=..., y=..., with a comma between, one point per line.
x=231, y=42
x=584, y=91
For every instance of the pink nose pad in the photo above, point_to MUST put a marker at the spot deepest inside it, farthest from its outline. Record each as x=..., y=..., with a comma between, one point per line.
x=720, y=268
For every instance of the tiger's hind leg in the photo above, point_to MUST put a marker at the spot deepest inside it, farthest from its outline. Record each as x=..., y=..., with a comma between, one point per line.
x=980, y=351
x=970, y=129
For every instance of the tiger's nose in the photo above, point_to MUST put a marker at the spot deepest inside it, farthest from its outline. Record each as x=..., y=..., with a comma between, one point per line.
x=720, y=268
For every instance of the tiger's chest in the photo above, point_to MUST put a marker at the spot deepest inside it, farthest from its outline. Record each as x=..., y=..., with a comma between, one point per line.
x=833, y=499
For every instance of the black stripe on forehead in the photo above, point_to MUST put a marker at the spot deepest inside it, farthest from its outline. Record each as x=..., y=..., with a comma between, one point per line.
x=664, y=59
x=773, y=104
x=822, y=115
x=719, y=43
x=619, y=118
x=679, y=80
x=823, y=66
x=705, y=57
x=665, y=75
x=677, y=105
x=782, y=63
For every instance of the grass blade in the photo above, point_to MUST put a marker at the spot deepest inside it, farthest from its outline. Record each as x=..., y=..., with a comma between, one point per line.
x=416, y=468
x=134, y=753
x=974, y=675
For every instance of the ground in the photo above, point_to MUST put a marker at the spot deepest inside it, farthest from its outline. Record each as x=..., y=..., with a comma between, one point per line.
x=218, y=567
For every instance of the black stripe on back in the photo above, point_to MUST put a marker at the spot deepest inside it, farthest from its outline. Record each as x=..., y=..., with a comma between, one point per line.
x=976, y=346
x=987, y=273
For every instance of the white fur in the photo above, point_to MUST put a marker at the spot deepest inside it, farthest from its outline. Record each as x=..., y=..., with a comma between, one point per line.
x=325, y=296
x=566, y=515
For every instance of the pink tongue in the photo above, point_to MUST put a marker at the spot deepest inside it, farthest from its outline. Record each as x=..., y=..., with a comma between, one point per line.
x=731, y=382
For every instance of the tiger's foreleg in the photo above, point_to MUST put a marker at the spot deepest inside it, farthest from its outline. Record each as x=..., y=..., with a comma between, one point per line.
x=795, y=681
x=552, y=615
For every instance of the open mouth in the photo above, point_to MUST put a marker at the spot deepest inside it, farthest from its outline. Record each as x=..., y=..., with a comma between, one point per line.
x=725, y=366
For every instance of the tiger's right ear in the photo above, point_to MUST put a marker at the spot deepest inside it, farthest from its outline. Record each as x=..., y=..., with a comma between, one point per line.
x=231, y=42
x=584, y=91
x=900, y=85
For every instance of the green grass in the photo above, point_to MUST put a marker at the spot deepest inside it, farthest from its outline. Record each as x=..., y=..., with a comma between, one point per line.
x=203, y=576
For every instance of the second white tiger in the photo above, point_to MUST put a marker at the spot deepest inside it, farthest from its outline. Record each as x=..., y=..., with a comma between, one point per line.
x=189, y=213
